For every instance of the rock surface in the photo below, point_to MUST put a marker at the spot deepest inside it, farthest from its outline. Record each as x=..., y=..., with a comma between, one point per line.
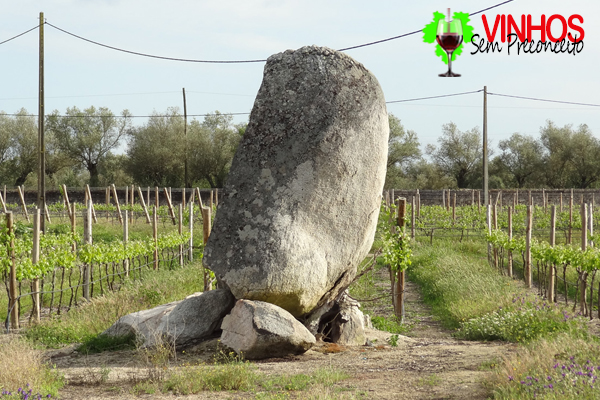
x=303, y=193
x=183, y=323
x=262, y=330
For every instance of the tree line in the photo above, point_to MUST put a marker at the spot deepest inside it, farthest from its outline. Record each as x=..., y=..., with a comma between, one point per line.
x=84, y=147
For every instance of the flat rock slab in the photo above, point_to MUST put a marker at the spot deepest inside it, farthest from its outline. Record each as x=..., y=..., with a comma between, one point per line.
x=303, y=193
x=260, y=330
x=183, y=323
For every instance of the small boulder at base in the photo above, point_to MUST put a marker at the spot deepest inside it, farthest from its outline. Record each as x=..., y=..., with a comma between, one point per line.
x=256, y=330
x=303, y=193
x=183, y=323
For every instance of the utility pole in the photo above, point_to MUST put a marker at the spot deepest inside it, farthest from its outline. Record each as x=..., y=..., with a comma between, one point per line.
x=41, y=143
x=485, y=149
x=185, y=160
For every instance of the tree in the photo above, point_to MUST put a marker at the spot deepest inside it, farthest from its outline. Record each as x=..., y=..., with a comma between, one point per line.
x=521, y=160
x=585, y=168
x=87, y=136
x=5, y=145
x=459, y=153
x=24, y=143
x=155, y=156
x=403, y=151
x=212, y=145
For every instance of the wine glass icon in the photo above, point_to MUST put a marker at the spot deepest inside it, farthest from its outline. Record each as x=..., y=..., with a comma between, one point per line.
x=449, y=37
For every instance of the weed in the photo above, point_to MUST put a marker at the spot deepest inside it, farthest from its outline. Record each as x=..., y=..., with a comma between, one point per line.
x=100, y=343
x=431, y=380
x=21, y=367
x=394, y=340
x=391, y=324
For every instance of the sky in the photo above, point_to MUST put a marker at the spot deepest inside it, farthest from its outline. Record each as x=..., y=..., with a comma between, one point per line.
x=78, y=73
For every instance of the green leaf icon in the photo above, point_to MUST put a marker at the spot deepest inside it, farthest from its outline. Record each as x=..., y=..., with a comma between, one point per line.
x=430, y=33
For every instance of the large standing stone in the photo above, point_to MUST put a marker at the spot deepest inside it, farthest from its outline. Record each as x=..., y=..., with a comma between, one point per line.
x=258, y=330
x=303, y=193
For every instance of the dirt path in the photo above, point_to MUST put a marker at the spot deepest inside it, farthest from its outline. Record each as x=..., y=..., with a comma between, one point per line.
x=430, y=364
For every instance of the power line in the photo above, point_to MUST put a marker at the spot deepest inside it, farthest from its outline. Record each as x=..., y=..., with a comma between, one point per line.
x=434, y=97
x=126, y=94
x=246, y=61
x=546, y=100
x=414, y=32
x=20, y=34
x=154, y=56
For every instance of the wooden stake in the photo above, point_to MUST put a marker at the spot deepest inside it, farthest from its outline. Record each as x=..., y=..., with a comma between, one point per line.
x=23, y=205
x=155, y=235
x=66, y=199
x=170, y=205
x=13, y=295
x=191, y=243
x=180, y=230
x=144, y=205
x=107, y=201
x=510, y=255
x=454, y=208
x=400, y=275
x=35, y=258
x=199, y=197
x=89, y=196
x=3, y=203
x=125, y=240
x=114, y=190
x=87, y=238
x=527, y=269
x=156, y=200
x=412, y=218
x=552, y=273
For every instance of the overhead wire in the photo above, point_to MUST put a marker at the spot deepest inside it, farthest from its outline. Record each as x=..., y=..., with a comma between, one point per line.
x=546, y=100
x=20, y=34
x=245, y=61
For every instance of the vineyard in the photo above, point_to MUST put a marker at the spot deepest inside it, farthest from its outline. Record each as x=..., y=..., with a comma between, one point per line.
x=87, y=252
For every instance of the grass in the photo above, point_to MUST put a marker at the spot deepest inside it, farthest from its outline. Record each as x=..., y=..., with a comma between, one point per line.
x=457, y=282
x=21, y=367
x=85, y=323
x=559, y=366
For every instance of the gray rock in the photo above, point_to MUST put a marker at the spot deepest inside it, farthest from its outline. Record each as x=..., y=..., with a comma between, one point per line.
x=181, y=323
x=259, y=330
x=348, y=326
x=339, y=321
x=303, y=193
x=197, y=317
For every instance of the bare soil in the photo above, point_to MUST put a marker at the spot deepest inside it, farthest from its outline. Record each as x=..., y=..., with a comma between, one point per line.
x=430, y=364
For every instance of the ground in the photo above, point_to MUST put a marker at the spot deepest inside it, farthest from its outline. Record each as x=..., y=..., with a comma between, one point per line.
x=428, y=364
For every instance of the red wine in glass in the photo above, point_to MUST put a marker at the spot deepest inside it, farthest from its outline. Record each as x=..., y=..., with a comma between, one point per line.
x=449, y=37
x=449, y=41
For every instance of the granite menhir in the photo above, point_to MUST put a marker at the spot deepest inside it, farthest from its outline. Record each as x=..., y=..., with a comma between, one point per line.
x=303, y=193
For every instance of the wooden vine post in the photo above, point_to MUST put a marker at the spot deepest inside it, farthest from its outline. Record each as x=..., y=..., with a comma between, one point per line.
x=400, y=274
x=412, y=218
x=495, y=224
x=35, y=258
x=155, y=235
x=87, y=238
x=144, y=205
x=3, y=203
x=125, y=240
x=583, y=278
x=66, y=199
x=12, y=286
x=527, y=269
x=91, y=202
x=191, y=243
x=170, y=205
x=510, y=255
x=206, y=227
x=23, y=205
x=552, y=272
x=180, y=230
x=114, y=190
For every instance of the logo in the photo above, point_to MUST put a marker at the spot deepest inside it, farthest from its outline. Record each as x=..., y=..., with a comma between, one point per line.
x=449, y=31
x=557, y=34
